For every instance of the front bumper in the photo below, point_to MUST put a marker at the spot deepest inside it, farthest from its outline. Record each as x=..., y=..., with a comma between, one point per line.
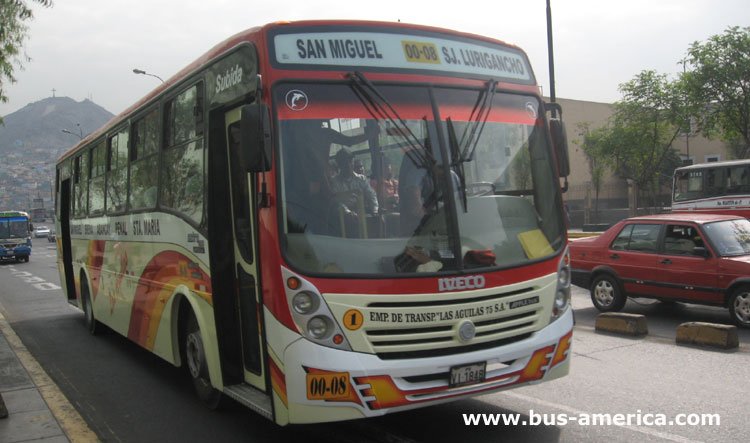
x=378, y=387
x=13, y=252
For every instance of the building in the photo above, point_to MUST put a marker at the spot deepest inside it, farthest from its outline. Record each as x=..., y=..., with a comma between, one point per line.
x=615, y=196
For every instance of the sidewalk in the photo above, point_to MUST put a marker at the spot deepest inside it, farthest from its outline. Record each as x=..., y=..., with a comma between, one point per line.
x=37, y=410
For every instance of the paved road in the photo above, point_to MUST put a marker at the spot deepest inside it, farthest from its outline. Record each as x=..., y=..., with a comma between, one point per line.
x=128, y=395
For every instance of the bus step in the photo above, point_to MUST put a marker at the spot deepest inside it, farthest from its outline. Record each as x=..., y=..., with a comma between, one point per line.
x=250, y=397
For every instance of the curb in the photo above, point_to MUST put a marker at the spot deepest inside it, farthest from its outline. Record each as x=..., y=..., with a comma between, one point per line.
x=74, y=427
x=708, y=334
x=618, y=322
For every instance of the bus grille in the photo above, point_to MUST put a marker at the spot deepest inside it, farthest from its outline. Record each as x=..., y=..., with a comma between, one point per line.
x=432, y=341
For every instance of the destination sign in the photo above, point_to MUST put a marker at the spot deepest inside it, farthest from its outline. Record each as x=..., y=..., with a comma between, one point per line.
x=401, y=51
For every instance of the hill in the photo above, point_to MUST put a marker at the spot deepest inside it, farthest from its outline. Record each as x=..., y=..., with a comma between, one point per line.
x=39, y=125
x=31, y=140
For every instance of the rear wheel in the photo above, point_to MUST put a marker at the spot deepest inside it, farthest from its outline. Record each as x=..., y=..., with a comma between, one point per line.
x=94, y=327
x=195, y=357
x=606, y=293
x=739, y=306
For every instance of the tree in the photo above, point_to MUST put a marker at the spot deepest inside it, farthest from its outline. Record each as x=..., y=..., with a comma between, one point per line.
x=14, y=15
x=718, y=86
x=637, y=140
x=592, y=148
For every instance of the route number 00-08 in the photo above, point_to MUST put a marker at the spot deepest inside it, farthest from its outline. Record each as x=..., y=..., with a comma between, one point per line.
x=328, y=386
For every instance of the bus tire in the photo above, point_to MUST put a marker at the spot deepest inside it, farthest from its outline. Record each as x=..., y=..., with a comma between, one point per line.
x=607, y=294
x=92, y=324
x=197, y=366
x=739, y=306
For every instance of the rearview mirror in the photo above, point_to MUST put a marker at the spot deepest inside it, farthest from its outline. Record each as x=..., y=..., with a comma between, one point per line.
x=700, y=251
x=559, y=139
x=560, y=142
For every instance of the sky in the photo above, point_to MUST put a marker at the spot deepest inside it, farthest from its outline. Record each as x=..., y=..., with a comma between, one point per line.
x=87, y=49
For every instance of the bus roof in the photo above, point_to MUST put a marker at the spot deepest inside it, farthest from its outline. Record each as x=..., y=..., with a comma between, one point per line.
x=714, y=165
x=5, y=214
x=258, y=33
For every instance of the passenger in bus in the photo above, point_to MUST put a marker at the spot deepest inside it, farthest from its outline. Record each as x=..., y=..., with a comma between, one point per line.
x=349, y=186
x=386, y=188
x=420, y=193
x=309, y=179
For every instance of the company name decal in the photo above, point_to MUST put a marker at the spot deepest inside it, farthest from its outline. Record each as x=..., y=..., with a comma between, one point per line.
x=461, y=283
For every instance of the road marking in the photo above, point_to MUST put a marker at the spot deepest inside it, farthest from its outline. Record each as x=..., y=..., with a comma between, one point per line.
x=578, y=412
x=71, y=422
x=37, y=282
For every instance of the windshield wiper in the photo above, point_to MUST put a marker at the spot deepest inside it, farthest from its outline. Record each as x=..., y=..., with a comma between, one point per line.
x=477, y=121
x=419, y=154
x=457, y=162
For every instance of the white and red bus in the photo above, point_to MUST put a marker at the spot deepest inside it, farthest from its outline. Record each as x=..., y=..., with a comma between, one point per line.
x=217, y=224
x=716, y=187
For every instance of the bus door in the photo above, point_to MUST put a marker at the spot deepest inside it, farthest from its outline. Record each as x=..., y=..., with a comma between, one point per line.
x=64, y=213
x=234, y=257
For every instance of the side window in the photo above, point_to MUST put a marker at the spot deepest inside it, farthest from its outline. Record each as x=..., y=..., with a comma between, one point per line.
x=716, y=181
x=117, y=171
x=144, y=161
x=182, y=173
x=623, y=238
x=80, y=184
x=738, y=180
x=96, y=180
x=637, y=237
x=644, y=238
x=681, y=240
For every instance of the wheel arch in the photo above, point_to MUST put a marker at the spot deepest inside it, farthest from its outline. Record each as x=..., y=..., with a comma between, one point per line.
x=185, y=303
x=83, y=279
x=742, y=281
x=599, y=270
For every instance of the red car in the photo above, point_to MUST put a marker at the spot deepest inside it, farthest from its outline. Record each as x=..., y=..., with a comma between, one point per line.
x=693, y=258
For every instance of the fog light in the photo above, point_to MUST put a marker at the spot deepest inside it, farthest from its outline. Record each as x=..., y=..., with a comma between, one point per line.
x=304, y=303
x=318, y=327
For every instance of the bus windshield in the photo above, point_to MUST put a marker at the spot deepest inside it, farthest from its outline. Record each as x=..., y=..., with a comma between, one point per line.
x=403, y=180
x=14, y=227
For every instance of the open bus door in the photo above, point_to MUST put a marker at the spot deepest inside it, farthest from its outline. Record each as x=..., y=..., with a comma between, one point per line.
x=64, y=238
x=234, y=259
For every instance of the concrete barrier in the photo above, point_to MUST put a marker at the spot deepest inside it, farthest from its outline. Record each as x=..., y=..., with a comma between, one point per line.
x=708, y=334
x=622, y=323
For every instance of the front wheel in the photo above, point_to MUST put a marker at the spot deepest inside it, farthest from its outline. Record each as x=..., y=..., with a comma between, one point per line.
x=606, y=294
x=195, y=357
x=739, y=307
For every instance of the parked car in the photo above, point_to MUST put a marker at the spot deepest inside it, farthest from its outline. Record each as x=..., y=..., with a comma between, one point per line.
x=693, y=258
x=41, y=231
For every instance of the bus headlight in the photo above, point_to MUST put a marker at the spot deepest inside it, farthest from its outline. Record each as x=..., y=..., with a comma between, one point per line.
x=562, y=291
x=311, y=314
x=305, y=302
x=562, y=298
x=319, y=327
x=563, y=276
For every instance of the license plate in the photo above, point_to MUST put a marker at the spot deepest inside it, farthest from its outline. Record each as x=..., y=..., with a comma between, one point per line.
x=468, y=374
x=328, y=386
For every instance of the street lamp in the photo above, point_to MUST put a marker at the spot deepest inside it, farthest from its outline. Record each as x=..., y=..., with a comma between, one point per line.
x=141, y=71
x=80, y=132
